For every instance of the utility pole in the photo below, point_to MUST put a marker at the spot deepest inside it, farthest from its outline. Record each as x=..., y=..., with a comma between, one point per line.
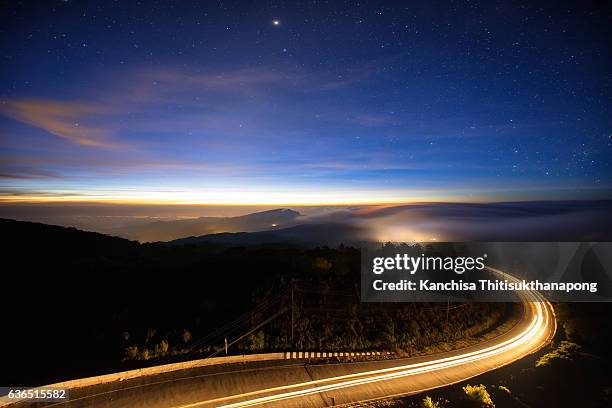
x=292, y=313
x=447, y=311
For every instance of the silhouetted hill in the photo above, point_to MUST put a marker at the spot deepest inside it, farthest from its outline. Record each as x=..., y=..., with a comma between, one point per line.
x=77, y=299
x=51, y=240
x=330, y=234
x=170, y=230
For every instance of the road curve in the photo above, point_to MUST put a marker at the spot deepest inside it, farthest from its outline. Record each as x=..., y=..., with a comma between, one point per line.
x=291, y=383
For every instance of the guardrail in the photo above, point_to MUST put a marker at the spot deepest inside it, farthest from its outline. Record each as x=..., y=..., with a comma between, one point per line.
x=318, y=354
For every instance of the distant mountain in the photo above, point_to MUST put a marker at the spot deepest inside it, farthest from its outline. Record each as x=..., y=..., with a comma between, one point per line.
x=331, y=234
x=172, y=230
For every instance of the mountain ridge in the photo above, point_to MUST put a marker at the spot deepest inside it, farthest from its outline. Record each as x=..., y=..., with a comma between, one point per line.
x=163, y=231
x=331, y=234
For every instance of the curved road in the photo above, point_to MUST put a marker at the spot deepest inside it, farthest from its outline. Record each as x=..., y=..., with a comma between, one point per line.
x=291, y=383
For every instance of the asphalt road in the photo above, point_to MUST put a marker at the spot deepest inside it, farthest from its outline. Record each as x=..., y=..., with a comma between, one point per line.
x=294, y=383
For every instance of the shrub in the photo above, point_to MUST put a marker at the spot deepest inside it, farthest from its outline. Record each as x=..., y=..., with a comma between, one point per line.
x=566, y=351
x=428, y=402
x=150, y=334
x=131, y=352
x=255, y=341
x=161, y=349
x=322, y=264
x=504, y=389
x=479, y=394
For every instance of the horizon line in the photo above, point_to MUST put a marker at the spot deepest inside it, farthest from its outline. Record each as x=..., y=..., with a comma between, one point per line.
x=110, y=202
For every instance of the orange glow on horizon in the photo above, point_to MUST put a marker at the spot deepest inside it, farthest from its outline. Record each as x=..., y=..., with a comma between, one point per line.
x=341, y=201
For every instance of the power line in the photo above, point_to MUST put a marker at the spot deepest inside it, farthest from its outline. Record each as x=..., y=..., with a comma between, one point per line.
x=210, y=339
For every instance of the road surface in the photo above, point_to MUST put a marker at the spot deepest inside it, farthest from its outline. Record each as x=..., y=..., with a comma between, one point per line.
x=293, y=383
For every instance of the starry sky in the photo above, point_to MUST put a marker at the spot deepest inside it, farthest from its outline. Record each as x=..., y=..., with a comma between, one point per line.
x=304, y=102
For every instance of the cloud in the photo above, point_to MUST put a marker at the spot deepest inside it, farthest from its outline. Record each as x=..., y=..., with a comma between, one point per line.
x=7, y=193
x=229, y=81
x=177, y=100
x=66, y=166
x=63, y=119
x=194, y=98
x=33, y=175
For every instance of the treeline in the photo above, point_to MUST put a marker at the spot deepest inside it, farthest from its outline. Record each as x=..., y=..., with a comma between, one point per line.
x=80, y=303
x=313, y=304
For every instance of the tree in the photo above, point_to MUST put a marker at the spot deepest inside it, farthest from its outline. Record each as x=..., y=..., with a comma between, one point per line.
x=479, y=394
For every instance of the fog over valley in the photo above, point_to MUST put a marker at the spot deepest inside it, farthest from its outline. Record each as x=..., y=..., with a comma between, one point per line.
x=542, y=220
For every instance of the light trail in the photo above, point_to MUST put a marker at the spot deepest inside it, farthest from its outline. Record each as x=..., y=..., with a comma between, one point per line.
x=535, y=335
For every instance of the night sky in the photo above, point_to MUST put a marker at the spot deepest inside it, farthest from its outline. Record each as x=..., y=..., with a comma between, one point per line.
x=311, y=102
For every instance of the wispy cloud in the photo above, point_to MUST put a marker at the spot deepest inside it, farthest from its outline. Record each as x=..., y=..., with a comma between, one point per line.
x=30, y=175
x=63, y=119
x=180, y=100
x=153, y=100
x=229, y=81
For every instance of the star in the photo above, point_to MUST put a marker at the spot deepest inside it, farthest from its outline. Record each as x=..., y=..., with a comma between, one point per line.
x=276, y=22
